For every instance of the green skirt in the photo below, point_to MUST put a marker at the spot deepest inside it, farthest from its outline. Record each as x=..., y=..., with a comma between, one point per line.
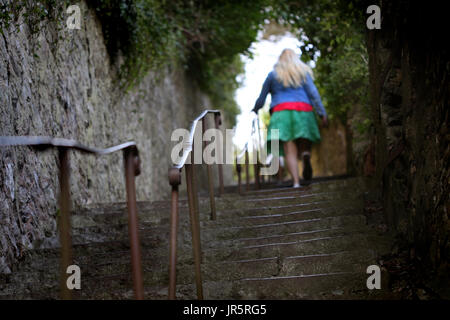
x=292, y=125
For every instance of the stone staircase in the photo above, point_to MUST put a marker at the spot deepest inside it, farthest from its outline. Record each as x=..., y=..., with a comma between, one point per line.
x=276, y=243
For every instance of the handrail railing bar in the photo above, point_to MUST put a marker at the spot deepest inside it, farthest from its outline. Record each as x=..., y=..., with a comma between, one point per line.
x=212, y=200
x=247, y=171
x=133, y=224
x=66, y=258
x=218, y=122
x=132, y=169
x=46, y=142
x=244, y=152
x=190, y=141
x=175, y=180
x=194, y=229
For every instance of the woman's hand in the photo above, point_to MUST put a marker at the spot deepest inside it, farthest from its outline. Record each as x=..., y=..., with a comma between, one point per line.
x=325, y=121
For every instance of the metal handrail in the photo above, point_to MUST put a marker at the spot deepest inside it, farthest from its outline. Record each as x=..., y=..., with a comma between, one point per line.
x=132, y=169
x=255, y=123
x=47, y=142
x=244, y=152
x=175, y=181
x=190, y=142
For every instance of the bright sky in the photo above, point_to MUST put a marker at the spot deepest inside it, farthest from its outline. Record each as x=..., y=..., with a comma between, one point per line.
x=265, y=54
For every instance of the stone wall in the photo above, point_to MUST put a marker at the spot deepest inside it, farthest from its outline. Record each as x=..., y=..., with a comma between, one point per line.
x=61, y=83
x=409, y=77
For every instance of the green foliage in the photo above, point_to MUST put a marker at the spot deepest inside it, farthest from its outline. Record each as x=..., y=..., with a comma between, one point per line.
x=141, y=32
x=204, y=36
x=343, y=78
x=33, y=13
x=207, y=36
x=226, y=29
x=222, y=87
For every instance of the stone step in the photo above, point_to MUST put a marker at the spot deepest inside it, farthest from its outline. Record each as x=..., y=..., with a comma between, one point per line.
x=316, y=245
x=95, y=254
x=273, y=266
x=292, y=226
x=105, y=232
x=289, y=237
x=326, y=286
x=286, y=208
x=107, y=264
x=338, y=285
x=314, y=186
x=117, y=215
x=273, y=243
x=155, y=259
x=157, y=242
x=113, y=277
x=155, y=239
x=113, y=219
x=275, y=217
x=94, y=231
x=250, y=203
x=293, y=192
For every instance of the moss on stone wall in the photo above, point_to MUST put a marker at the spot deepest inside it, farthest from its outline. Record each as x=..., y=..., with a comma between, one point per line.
x=70, y=92
x=409, y=66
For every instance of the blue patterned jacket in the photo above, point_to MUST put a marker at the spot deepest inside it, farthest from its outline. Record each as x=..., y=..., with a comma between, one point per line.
x=305, y=93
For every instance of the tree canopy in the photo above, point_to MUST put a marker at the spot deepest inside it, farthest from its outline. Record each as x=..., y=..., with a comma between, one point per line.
x=206, y=37
x=203, y=36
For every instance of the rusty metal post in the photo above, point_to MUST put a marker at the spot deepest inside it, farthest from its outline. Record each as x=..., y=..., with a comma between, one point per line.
x=65, y=237
x=280, y=171
x=195, y=198
x=247, y=171
x=131, y=163
x=174, y=180
x=256, y=172
x=218, y=122
x=238, y=170
x=194, y=230
x=212, y=201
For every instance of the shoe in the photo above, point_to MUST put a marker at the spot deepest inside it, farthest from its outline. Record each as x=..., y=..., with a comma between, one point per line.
x=307, y=169
x=296, y=185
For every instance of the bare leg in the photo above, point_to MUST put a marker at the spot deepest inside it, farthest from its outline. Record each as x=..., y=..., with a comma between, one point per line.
x=290, y=151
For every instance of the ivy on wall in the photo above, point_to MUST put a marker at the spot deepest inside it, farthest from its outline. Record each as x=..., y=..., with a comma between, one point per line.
x=205, y=37
x=33, y=12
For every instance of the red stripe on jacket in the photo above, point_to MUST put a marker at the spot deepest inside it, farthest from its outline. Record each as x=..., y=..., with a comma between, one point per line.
x=297, y=106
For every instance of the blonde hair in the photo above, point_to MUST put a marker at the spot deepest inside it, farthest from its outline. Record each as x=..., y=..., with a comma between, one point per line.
x=290, y=70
